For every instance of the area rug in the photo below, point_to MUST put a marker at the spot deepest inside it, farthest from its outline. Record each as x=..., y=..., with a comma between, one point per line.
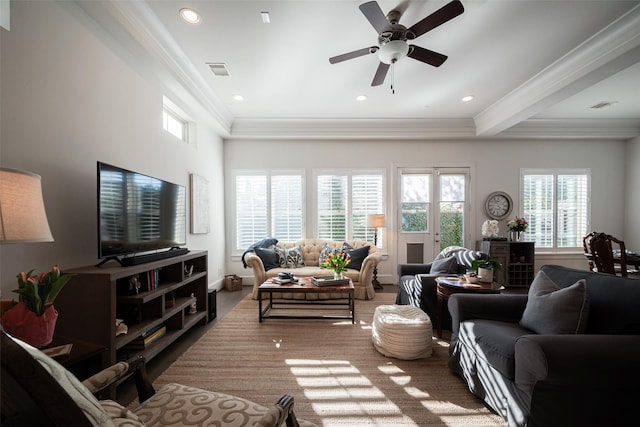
x=331, y=368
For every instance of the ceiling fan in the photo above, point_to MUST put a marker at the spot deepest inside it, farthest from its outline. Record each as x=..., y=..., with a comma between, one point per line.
x=392, y=37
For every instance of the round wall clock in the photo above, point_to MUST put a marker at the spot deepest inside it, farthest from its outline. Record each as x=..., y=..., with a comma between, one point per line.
x=498, y=205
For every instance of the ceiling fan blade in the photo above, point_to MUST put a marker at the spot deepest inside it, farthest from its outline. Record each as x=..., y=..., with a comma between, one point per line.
x=437, y=18
x=381, y=73
x=427, y=56
x=354, y=54
x=371, y=10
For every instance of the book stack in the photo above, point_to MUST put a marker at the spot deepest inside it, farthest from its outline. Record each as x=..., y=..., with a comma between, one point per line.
x=150, y=280
x=148, y=337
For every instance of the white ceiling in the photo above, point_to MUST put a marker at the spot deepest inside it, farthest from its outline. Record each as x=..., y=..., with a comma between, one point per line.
x=534, y=66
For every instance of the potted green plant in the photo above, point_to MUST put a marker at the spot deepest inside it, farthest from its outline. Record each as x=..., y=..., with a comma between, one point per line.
x=33, y=318
x=485, y=268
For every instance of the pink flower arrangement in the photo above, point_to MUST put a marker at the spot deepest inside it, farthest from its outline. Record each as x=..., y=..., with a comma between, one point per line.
x=518, y=224
x=337, y=262
x=38, y=291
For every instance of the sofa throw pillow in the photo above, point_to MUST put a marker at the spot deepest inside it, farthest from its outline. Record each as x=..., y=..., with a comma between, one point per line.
x=444, y=266
x=327, y=249
x=269, y=258
x=290, y=258
x=86, y=401
x=554, y=310
x=357, y=255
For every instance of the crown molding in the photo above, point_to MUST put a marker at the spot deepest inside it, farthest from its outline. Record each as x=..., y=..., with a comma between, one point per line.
x=428, y=129
x=616, y=129
x=611, y=50
x=143, y=27
x=352, y=129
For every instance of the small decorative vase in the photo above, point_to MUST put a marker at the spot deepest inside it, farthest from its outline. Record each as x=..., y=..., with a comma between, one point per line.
x=515, y=236
x=485, y=275
x=336, y=275
x=23, y=324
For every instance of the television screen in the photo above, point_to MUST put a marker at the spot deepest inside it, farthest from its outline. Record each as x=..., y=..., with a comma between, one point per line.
x=138, y=213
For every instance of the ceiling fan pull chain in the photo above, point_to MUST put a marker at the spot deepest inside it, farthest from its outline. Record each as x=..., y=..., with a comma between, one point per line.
x=393, y=78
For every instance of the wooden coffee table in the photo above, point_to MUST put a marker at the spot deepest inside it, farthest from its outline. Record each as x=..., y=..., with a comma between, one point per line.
x=447, y=286
x=306, y=309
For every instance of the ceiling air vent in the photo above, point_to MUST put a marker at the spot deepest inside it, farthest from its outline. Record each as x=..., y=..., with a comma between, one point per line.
x=604, y=104
x=219, y=69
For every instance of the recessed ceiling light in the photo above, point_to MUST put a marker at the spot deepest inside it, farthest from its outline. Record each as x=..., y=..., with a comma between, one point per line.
x=238, y=97
x=266, y=19
x=468, y=98
x=190, y=16
x=361, y=98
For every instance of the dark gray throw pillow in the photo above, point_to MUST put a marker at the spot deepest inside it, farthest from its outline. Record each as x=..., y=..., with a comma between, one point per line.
x=447, y=265
x=357, y=255
x=269, y=258
x=554, y=310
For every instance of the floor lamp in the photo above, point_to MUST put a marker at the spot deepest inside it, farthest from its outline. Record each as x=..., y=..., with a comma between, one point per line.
x=375, y=221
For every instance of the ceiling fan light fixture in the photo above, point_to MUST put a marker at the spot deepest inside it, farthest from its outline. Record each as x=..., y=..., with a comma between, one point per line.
x=392, y=51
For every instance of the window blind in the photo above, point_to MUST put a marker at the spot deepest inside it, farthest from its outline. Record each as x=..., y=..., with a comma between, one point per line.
x=556, y=205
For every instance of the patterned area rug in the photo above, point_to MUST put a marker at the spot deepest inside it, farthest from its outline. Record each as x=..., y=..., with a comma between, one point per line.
x=331, y=368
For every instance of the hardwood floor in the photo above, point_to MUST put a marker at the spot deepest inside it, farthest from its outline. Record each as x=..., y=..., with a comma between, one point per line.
x=225, y=302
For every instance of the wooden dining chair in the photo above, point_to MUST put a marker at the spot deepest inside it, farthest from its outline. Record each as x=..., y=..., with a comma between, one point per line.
x=598, y=249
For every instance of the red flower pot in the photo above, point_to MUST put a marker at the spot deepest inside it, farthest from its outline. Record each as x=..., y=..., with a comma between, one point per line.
x=23, y=324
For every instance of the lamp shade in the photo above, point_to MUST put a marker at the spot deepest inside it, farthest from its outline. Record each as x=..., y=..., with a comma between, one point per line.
x=375, y=220
x=22, y=214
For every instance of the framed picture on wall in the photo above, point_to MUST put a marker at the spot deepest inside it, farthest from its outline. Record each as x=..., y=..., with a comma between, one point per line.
x=200, y=222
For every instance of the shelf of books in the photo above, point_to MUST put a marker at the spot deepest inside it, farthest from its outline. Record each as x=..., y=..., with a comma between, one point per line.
x=137, y=310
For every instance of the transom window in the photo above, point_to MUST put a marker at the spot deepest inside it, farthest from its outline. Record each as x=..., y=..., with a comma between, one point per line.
x=174, y=120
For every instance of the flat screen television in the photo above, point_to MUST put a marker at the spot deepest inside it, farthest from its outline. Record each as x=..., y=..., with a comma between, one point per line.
x=139, y=215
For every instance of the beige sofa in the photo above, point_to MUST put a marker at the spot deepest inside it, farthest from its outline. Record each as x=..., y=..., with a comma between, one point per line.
x=311, y=249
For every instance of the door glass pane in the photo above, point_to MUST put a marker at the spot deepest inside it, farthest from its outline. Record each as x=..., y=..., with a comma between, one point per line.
x=452, y=198
x=416, y=202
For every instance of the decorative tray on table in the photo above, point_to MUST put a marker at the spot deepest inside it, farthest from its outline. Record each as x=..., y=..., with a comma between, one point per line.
x=329, y=281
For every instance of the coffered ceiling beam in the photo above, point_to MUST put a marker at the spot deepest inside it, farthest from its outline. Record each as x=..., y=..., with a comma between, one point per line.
x=611, y=50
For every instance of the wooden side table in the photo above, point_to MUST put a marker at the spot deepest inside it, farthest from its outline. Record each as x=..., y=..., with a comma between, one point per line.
x=447, y=286
x=85, y=359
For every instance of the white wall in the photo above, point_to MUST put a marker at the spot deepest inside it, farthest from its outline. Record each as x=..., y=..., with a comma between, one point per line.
x=495, y=165
x=68, y=101
x=632, y=195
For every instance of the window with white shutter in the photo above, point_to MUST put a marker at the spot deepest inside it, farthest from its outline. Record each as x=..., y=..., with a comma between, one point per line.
x=268, y=204
x=556, y=203
x=344, y=200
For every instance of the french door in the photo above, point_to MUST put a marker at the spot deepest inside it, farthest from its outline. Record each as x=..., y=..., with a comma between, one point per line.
x=432, y=211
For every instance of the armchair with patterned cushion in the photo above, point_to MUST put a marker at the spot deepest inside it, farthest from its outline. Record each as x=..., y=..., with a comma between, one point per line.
x=38, y=391
x=417, y=282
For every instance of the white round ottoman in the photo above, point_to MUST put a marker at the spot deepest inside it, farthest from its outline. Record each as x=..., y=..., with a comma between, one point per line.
x=402, y=331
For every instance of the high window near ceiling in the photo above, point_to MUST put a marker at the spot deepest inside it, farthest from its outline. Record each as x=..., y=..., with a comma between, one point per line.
x=268, y=203
x=556, y=203
x=175, y=120
x=344, y=200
